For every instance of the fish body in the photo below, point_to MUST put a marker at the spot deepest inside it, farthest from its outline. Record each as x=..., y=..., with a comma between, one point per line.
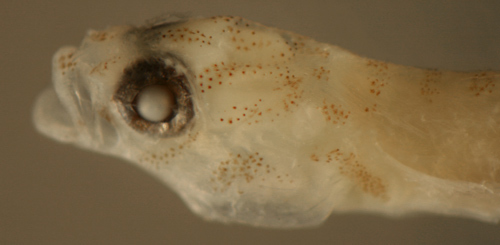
x=270, y=128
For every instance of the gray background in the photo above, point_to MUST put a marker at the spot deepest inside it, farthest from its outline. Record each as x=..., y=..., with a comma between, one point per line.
x=57, y=194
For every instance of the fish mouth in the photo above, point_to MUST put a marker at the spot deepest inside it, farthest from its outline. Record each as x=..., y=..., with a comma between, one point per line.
x=75, y=122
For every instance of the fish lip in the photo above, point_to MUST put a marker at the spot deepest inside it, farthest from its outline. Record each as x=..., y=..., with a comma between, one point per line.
x=51, y=118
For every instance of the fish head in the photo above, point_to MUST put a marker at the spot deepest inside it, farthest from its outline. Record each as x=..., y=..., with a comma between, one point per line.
x=230, y=125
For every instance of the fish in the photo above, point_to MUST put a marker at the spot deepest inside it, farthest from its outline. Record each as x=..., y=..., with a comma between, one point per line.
x=254, y=125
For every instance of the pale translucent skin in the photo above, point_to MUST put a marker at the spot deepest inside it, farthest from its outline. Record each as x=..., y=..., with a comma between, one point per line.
x=285, y=129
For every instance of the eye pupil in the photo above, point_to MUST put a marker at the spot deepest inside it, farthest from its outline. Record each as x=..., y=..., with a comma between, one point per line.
x=155, y=103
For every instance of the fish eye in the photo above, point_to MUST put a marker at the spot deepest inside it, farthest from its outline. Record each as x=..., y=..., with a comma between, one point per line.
x=154, y=98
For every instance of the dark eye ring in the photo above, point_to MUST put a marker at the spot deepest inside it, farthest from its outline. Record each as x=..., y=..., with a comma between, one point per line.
x=148, y=78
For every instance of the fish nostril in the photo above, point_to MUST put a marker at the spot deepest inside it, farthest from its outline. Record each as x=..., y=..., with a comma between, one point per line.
x=154, y=98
